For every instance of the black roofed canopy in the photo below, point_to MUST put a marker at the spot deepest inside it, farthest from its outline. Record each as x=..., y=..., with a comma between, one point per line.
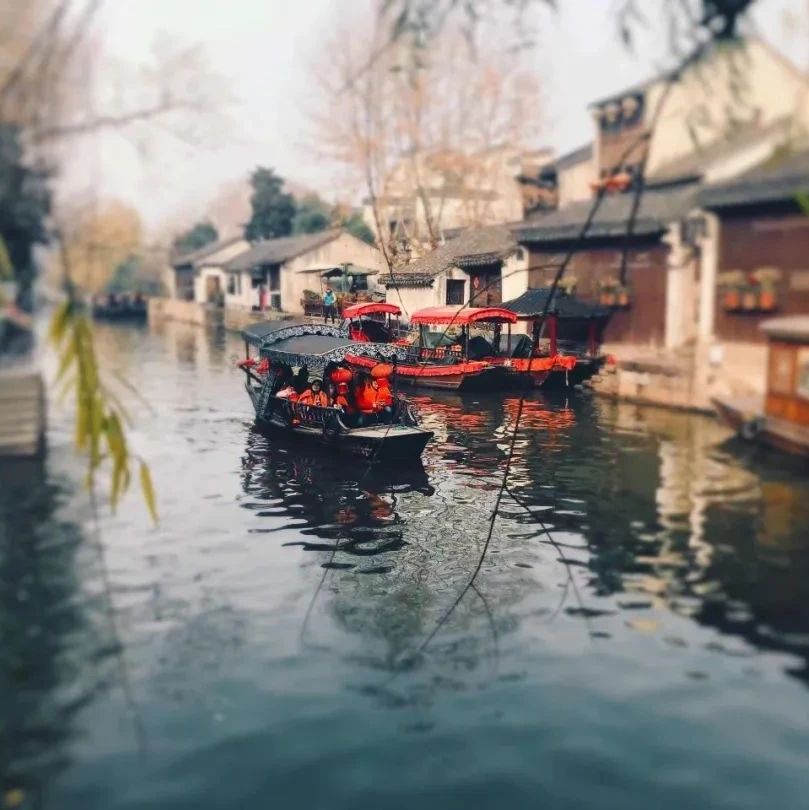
x=532, y=303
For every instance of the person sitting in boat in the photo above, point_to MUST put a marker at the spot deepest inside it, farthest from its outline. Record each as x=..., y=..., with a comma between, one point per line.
x=383, y=398
x=342, y=399
x=315, y=395
x=364, y=400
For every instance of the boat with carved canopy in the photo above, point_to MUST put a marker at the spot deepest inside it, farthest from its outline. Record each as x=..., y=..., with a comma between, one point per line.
x=273, y=349
x=449, y=357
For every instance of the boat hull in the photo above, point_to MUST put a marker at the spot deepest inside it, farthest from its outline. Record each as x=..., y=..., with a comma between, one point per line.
x=378, y=442
x=747, y=418
x=465, y=376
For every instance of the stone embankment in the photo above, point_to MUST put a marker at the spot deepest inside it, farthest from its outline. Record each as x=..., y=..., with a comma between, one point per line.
x=685, y=380
x=22, y=413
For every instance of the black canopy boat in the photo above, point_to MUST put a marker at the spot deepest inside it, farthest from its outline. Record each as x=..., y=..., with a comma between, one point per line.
x=285, y=345
x=566, y=336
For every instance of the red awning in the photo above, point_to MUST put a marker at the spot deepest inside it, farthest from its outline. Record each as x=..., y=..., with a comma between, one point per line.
x=463, y=315
x=370, y=308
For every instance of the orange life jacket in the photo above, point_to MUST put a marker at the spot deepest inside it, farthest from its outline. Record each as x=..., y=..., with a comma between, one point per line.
x=309, y=397
x=341, y=401
x=365, y=397
x=384, y=397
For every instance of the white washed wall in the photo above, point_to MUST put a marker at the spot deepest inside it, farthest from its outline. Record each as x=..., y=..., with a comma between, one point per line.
x=346, y=248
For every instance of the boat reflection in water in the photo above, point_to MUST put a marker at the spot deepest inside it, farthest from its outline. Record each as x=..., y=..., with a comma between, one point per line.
x=348, y=505
x=619, y=524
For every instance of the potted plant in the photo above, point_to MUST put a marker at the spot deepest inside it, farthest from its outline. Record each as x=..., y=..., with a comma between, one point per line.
x=767, y=278
x=568, y=284
x=608, y=294
x=750, y=294
x=731, y=283
x=622, y=295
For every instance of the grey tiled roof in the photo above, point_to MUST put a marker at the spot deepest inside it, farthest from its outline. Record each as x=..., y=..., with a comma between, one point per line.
x=203, y=252
x=777, y=184
x=278, y=251
x=399, y=279
x=700, y=158
x=470, y=248
x=658, y=207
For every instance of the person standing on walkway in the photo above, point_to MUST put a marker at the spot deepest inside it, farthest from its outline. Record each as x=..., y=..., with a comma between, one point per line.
x=329, y=308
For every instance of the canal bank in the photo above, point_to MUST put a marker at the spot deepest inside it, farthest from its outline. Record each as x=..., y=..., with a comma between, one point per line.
x=687, y=379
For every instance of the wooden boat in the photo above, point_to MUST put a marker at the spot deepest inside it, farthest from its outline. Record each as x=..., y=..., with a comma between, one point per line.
x=566, y=337
x=780, y=419
x=283, y=345
x=372, y=321
x=120, y=307
x=443, y=361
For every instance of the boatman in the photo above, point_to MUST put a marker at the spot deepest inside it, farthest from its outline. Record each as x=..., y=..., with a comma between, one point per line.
x=329, y=308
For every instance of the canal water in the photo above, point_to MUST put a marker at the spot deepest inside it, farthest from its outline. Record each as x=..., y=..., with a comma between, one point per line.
x=637, y=636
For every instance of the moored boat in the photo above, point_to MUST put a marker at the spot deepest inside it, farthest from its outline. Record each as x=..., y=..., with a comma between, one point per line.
x=779, y=419
x=120, y=307
x=313, y=349
x=565, y=340
x=449, y=358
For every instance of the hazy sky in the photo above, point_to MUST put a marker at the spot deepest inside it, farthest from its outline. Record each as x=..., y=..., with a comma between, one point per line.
x=262, y=51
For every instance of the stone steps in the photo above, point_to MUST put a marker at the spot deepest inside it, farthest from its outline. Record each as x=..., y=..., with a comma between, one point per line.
x=22, y=413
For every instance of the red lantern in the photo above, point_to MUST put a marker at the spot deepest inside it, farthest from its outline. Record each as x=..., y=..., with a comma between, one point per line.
x=381, y=370
x=341, y=375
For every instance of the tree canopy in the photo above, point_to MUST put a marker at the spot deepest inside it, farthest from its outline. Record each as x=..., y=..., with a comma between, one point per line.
x=314, y=214
x=25, y=203
x=273, y=209
x=201, y=234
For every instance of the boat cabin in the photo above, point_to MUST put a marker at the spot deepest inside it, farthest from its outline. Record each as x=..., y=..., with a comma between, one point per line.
x=564, y=323
x=463, y=344
x=372, y=321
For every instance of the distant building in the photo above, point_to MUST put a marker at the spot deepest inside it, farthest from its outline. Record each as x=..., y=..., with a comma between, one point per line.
x=191, y=276
x=468, y=269
x=274, y=274
x=451, y=190
x=721, y=119
x=761, y=262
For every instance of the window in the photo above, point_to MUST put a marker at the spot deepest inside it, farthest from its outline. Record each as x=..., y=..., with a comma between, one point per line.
x=275, y=301
x=455, y=290
x=234, y=284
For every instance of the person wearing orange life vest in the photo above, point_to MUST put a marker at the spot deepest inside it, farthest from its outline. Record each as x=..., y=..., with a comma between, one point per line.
x=383, y=404
x=364, y=400
x=314, y=395
x=341, y=399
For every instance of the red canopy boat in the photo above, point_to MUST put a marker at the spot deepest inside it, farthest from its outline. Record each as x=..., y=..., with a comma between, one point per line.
x=372, y=321
x=440, y=360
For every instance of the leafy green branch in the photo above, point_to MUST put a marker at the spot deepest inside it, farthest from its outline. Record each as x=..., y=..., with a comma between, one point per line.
x=100, y=416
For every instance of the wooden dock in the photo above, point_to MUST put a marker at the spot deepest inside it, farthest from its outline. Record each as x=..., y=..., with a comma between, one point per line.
x=22, y=413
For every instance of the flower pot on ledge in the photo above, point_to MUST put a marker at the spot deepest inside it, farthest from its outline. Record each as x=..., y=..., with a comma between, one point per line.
x=607, y=299
x=749, y=300
x=767, y=300
x=731, y=300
